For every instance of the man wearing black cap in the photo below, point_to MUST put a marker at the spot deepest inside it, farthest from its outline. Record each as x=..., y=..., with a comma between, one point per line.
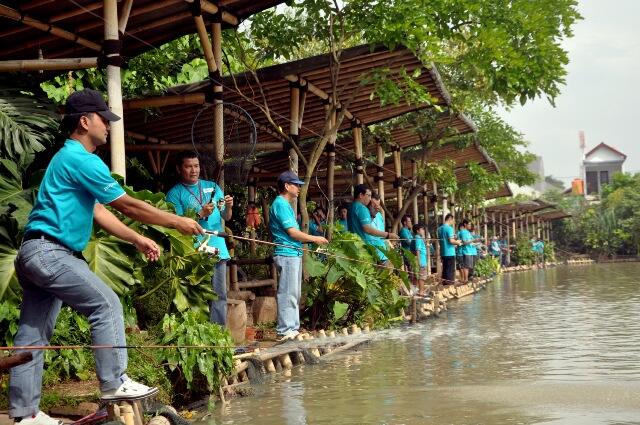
x=71, y=197
x=286, y=234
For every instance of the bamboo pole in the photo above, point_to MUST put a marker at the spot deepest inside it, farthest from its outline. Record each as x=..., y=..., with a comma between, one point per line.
x=323, y=95
x=527, y=217
x=493, y=221
x=48, y=64
x=331, y=164
x=453, y=206
x=294, y=111
x=397, y=164
x=357, y=147
x=125, y=11
x=114, y=91
x=218, y=112
x=414, y=184
x=486, y=229
x=15, y=15
x=380, y=171
x=213, y=9
x=425, y=205
x=509, y=234
x=513, y=225
x=438, y=221
x=205, y=42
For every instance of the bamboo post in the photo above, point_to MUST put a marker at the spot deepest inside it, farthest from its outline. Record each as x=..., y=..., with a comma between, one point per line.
x=331, y=167
x=397, y=165
x=527, y=219
x=48, y=64
x=125, y=11
x=294, y=97
x=508, y=254
x=453, y=205
x=425, y=211
x=380, y=171
x=493, y=223
x=438, y=220
x=357, y=146
x=486, y=229
x=414, y=184
x=111, y=49
x=218, y=112
x=513, y=225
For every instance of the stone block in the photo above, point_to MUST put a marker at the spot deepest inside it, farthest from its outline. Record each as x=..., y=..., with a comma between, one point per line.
x=237, y=319
x=265, y=310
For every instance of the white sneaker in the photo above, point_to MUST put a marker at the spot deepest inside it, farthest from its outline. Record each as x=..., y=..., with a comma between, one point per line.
x=129, y=390
x=289, y=336
x=39, y=419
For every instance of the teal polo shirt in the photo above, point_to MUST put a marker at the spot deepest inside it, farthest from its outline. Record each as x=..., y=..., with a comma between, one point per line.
x=447, y=249
x=405, y=237
x=196, y=196
x=465, y=236
x=74, y=182
x=358, y=217
x=281, y=218
x=343, y=223
x=419, y=248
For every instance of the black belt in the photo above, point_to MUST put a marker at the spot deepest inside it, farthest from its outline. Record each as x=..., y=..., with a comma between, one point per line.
x=36, y=234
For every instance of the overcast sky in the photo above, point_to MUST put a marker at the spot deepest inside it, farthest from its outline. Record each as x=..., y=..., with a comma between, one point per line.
x=601, y=96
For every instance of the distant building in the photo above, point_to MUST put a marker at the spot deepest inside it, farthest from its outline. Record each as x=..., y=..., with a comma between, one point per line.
x=600, y=163
x=537, y=167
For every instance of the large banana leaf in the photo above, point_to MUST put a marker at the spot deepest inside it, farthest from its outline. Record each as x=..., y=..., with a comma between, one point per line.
x=27, y=123
x=9, y=287
x=112, y=261
x=13, y=198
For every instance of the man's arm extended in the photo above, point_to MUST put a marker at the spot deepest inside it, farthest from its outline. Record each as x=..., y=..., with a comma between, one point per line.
x=303, y=237
x=375, y=232
x=141, y=211
x=109, y=222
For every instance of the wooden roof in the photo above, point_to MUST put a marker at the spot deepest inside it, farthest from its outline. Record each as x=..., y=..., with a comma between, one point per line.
x=530, y=206
x=28, y=26
x=555, y=214
x=173, y=123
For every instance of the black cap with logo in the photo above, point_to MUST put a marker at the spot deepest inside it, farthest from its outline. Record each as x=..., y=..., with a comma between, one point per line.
x=88, y=100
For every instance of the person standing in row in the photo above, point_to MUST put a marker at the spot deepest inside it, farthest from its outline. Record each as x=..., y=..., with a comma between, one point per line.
x=72, y=196
x=343, y=212
x=360, y=222
x=288, y=237
x=212, y=206
x=419, y=249
x=448, y=243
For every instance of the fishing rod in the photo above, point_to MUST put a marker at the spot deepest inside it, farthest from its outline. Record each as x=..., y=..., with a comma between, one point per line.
x=111, y=347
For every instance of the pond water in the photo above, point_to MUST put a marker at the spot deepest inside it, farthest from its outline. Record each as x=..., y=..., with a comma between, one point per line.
x=556, y=346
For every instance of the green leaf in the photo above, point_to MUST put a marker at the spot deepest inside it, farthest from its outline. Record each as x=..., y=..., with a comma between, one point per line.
x=339, y=310
x=314, y=267
x=112, y=261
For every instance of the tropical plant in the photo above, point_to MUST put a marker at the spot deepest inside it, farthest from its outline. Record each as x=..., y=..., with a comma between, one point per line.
x=200, y=369
x=487, y=267
x=28, y=122
x=346, y=286
x=523, y=254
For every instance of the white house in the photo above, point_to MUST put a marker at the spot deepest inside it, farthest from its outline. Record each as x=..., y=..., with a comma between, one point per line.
x=599, y=165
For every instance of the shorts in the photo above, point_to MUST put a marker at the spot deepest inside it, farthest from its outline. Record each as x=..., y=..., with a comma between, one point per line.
x=468, y=261
x=423, y=274
x=459, y=260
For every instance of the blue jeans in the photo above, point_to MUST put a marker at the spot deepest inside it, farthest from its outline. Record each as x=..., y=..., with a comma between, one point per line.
x=218, y=308
x=289, y=288
x=50, y=274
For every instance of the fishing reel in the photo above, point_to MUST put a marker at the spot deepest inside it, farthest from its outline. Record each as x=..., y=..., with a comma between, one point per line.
x=204, y=247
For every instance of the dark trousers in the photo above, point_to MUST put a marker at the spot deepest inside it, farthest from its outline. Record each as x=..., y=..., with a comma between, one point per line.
x=449, y=269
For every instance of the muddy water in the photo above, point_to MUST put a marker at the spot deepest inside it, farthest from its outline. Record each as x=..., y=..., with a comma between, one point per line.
x=560, y=346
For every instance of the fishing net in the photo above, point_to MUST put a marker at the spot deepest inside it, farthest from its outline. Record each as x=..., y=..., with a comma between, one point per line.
x=240, y=138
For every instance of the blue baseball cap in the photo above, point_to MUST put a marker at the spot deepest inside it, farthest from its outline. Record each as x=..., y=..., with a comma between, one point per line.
x=289, y=177
x=88, y=100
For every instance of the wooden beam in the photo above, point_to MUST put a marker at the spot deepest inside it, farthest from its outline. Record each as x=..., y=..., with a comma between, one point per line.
x=380, y=172
x=294, y=114
x=15, y=15
x=331, y=166
x=357, y=147
x=48, y=64
x=160, y=101
x=414, y=184
x=176, y=147
x=213, y=9
x=205, y=42
x=317, y=91
x=218, y=111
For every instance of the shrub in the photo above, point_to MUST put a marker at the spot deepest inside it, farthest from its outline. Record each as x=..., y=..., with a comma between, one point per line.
x=487, y=267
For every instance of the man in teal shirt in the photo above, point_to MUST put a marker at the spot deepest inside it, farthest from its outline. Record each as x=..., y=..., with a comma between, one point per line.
x=468, y=251
x=212, y=206
x=288, y=237
x=448, y=243
x=361, y=223
x=51, y=271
